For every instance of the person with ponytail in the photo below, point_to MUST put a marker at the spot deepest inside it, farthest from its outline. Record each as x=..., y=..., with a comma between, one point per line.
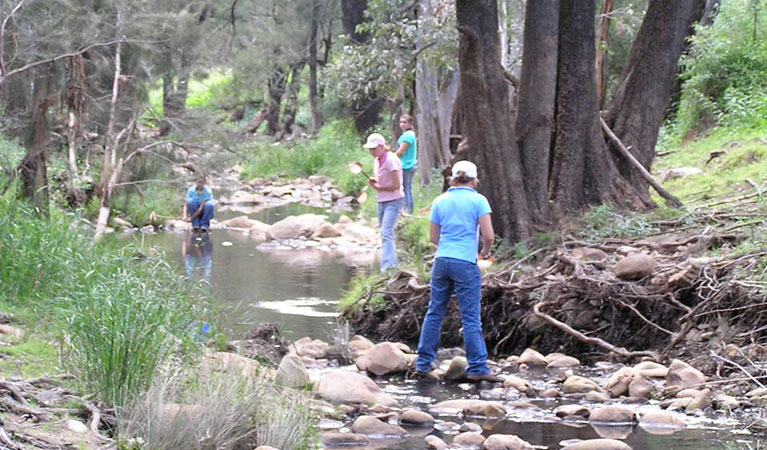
x=458, y=217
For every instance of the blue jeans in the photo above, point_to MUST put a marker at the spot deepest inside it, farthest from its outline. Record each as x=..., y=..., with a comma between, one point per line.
x=463, y=277
x=387, y=218
x=203, y=220
x=407, y=187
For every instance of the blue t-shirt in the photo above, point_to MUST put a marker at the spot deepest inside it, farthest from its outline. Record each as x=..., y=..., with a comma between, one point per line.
x=457, y=212
x=408, y=158
x=193, y=196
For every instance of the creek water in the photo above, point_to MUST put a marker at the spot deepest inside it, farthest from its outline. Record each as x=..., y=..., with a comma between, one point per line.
x=300, y=291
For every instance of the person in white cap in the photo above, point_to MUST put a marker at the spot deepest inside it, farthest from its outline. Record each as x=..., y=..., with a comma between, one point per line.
x=388, y=187
x=458, y=217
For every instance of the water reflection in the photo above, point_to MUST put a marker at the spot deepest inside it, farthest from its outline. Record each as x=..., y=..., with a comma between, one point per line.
x=197, y=250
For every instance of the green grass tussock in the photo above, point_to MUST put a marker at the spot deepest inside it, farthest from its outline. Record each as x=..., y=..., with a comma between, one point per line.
x=120, y=317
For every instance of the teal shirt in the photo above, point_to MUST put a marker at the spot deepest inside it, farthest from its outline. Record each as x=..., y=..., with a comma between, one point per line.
x=410, y=156
x=193, y=196
x=457, y=212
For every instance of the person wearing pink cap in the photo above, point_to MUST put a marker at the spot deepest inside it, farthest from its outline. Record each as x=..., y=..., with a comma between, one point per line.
x=388, y=187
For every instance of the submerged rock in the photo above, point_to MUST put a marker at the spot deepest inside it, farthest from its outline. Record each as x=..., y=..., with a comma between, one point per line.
x=456, y=406
x=334, y=439
x=598, y=444
x=505, y=442
x=374, y=427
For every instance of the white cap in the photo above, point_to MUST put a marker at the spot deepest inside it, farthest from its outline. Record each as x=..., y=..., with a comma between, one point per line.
x=374, y=140
x=467, y=167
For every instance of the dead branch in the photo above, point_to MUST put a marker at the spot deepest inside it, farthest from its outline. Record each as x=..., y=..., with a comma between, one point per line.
x=20, y=409
x=741, y=368
x=619, y=351
x=640, y=168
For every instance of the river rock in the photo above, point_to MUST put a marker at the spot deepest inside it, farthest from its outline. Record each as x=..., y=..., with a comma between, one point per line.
x=178, y=224
x=416, y=418
x=618, y=383
x=11, y=331
x=550, y=393
x=457, y=369
x=241, y=198
x=75, y=426
x=313, y=348
x=612, y=414
x=517, y=383
x=292, y=372
x=640, y=387
x=360, y=232
x=360, y=344
x=374, y=427
x=532, y=358
x=350, y=387
x=487, y=409
x=469, y=439
x=676, y=403
x=456, y=406
x=259, y=227
x=121, y=223
x=572, y=410
x=598, y=397
x=728, y=402
x=661, y=419
x=563, y=362
x=334, y=439
x=505, y=442
x=598, y=444
x=756, y=393
x=239, y=222
x=700, y=401
x=435, y=443
x=470, y=426
x=650, y=369
x=634, y=267
x=682, y=375
x=326, y=230
x=294, y=227
x=382, y=359
x=577, y=384
x=228, y=362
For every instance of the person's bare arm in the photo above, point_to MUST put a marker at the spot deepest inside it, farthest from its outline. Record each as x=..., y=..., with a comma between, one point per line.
x=487, y=233
x=392, y=183
x=402, y=148
x=434, y=232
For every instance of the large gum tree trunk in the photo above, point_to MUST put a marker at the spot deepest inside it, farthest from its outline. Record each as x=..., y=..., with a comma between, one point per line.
x=537, y=95
x=638, y=105
x=582, y=172
x=32, y=169
x=276, y=88
x=313, y=94
x=291, y=98
x=488, y=121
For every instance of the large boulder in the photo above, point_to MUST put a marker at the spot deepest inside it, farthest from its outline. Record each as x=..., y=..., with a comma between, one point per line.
x=612, y=414
x=634, y=267
x=682, y=375
x=350, y=387
x=382, y=359
x=505, y=442
x=577, y=384
x=598, y=444
x=313, y=348
x=374, y=427
x=294, y=227
x=292, y=372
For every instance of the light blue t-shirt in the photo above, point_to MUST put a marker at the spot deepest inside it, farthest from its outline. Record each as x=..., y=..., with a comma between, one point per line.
x=410, y=156
x=457, y=212
x=193, y=196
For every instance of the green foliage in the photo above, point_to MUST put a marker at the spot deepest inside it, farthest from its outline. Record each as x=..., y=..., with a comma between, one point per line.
x=724, y=71
x=413, y=244
x=605, y=221
x=359, y=286
x=123, y=315
x=11, y=154
x=32, y=357
x=329, y=154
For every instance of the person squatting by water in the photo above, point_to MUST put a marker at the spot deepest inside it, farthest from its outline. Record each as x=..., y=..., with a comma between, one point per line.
x=388, y=187
x=458, y=217
x=199, y=203
x=407, y=151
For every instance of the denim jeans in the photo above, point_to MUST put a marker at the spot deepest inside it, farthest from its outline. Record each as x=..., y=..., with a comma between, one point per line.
x=203, y=220
x=407, y=187
x=387, y=218
x=449, y=275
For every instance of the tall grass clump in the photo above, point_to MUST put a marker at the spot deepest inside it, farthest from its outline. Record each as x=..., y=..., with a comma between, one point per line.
x=217, y=410
x=724, y=71
x=328, y=154
x=121, y=316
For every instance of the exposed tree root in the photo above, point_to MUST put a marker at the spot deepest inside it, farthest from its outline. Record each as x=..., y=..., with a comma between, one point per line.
x=700, y=296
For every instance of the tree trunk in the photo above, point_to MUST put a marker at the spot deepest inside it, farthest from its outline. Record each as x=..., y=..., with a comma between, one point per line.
x=316, y=118
x=638, y=106
x=488, y=121
x=276, y=87
x=537, y=94
x=582, y=172
x=32, y=169
x=367, y=111
x=436, y=100
x=291, y=99
x=602, y=35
